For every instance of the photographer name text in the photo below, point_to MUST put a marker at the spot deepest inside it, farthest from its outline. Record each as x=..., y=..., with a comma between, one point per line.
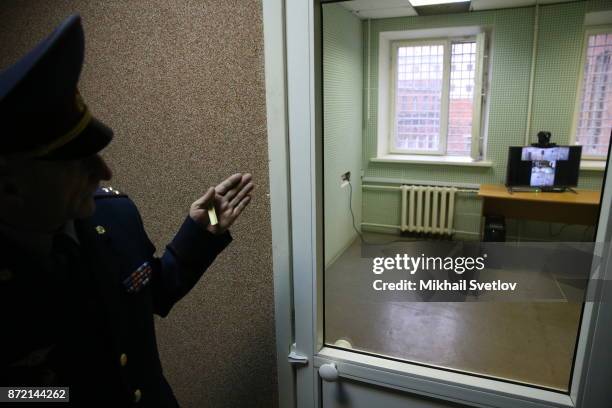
x=444, y=285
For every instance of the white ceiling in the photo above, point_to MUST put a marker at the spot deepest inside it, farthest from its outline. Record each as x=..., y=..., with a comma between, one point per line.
x=401, y=8
x=380, y=8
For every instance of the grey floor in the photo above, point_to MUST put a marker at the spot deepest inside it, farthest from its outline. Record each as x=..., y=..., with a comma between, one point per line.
x=525, y=341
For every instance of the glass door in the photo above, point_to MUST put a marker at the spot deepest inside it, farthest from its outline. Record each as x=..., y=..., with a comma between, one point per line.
x=403, y=287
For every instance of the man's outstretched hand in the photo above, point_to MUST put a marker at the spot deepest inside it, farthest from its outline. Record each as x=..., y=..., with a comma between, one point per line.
x=230, y=198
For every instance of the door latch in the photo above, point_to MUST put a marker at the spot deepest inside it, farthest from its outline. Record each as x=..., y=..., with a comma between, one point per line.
x=295, y=358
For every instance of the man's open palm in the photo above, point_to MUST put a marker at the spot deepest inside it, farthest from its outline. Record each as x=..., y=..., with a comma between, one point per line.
x=230, y=198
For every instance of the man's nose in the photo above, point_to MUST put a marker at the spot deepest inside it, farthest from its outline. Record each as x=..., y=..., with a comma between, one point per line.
x=99, y=168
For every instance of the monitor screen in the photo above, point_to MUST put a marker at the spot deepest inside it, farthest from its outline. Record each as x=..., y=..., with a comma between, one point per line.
x=543, y=167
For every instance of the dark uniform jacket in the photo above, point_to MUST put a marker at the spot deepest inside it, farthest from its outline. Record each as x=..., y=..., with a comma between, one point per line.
x=88, y=324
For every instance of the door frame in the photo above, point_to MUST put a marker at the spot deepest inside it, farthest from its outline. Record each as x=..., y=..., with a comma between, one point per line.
x=294, y=105
x=273, y=15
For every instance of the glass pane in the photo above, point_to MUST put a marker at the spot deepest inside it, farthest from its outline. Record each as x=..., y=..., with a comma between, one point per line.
x=395, y=225
x=418, y=92
x=595, y=124
x=460, y=108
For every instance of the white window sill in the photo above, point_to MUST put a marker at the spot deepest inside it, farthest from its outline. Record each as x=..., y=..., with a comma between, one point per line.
x=593, y=165
x=435, y=160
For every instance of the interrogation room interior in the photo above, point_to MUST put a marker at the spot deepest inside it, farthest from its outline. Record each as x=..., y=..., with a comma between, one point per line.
x=389, y=190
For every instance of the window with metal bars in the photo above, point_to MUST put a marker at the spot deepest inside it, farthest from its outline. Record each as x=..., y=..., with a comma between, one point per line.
x=436, y=96
x=594, y=106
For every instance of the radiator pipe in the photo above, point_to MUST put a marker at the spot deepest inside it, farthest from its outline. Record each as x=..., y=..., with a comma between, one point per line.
x=391, y=188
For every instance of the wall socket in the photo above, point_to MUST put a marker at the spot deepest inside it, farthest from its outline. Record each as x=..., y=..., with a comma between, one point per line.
x=344, y=179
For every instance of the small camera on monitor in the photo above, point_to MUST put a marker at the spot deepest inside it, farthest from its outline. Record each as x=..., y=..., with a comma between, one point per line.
x=544, y=140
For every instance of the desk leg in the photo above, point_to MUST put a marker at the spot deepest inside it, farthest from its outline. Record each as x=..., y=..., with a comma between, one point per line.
x=482, y=217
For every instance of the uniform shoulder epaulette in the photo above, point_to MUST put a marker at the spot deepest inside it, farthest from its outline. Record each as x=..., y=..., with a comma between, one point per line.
x=108, y=192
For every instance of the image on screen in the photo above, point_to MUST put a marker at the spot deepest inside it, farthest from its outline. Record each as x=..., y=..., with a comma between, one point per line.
x=542, y=173
x=549, y=154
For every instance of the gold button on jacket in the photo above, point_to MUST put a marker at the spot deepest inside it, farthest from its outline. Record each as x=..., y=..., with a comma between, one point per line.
x=123, y=360
x=137, y=395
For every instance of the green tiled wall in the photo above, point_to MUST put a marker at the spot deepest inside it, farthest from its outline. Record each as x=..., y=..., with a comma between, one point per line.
x=342, y=120
x=598, y=5
x=557, y=68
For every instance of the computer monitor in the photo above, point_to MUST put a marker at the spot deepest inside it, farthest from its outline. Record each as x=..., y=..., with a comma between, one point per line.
x=549, y=168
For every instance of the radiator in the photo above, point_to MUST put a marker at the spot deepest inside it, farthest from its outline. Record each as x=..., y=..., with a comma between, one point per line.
x=427, y=209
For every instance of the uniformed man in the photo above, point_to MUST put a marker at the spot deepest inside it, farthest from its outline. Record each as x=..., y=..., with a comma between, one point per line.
x=79, y=282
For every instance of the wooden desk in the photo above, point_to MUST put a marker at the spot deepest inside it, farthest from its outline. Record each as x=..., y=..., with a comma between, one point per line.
x=566, y=207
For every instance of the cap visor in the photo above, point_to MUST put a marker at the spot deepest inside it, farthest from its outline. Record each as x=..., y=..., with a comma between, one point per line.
x=94, y=138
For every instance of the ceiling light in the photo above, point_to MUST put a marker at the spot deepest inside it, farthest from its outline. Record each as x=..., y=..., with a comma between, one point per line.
x=419, y=3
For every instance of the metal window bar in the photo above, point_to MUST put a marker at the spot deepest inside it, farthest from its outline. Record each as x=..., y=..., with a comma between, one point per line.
x=593, y=129
x=461, y=96
x=419, y=80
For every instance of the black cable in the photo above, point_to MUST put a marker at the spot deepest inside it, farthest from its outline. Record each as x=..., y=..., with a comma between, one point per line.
x=563, y=227
x=584, y=233
x=351, y=210
x=558, y=233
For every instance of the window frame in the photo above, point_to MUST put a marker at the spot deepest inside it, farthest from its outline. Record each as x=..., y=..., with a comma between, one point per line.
x=446, y=37
x=593, y=30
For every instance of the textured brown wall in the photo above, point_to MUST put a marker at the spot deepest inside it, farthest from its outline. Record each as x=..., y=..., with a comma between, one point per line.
x=182, y=85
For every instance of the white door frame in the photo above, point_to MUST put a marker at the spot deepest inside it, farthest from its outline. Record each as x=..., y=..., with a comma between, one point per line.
x=304, y=115
x=273, y=13
x=298, y=249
